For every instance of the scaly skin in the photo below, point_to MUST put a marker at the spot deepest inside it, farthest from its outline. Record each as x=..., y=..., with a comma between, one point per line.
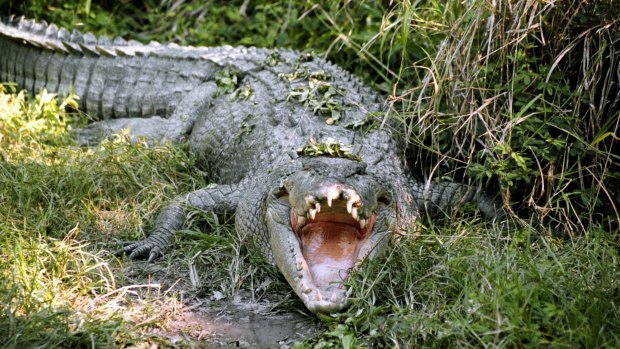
x=315, y=217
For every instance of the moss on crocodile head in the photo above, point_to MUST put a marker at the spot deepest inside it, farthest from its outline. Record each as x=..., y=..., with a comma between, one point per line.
x=329, y=148
x=322, y=97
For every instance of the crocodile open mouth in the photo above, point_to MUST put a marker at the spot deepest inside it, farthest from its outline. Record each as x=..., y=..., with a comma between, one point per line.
x=330, y=237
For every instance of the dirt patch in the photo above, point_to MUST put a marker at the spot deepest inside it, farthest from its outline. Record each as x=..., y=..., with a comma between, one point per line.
x=233, y=326
x=210, y=319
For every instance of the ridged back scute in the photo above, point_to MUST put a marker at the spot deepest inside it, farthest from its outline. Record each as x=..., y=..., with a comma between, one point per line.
x=50, y=37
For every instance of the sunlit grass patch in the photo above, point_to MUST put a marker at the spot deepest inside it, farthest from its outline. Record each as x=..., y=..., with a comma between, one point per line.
x=63, y=207
x=55, y=293
x=30, y=129
x=47, y=178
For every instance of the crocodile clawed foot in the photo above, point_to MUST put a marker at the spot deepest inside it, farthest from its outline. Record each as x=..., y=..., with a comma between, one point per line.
x=140, y=250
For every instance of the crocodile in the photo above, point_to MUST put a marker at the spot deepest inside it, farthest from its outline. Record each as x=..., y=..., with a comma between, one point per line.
x=299, y=148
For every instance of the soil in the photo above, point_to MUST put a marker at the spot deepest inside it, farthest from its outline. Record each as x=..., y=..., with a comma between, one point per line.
x=210, y=319
x=233, y=325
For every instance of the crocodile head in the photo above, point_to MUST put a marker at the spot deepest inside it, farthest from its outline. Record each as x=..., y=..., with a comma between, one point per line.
x=322, y=221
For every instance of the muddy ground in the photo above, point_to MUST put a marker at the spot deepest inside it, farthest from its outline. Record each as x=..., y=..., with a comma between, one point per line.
x=207, y=318
x=239, y=324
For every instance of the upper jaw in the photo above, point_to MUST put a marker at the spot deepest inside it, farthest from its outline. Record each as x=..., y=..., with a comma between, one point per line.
x=331, y=197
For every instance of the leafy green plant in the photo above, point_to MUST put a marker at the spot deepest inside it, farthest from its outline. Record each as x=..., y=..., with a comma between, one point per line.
x=226, y=82
x=503, y=107
x=39, y=122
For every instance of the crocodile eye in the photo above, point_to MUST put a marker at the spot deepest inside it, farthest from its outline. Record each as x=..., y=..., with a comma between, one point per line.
x=384, y=201
x=281, y=194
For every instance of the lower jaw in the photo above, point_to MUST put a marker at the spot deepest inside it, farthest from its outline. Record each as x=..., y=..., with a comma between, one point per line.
x=325, y=292
x=325, y=302
x=330, y=251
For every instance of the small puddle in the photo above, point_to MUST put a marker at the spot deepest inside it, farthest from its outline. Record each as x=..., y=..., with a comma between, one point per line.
x=234, y=326
x=220, y=322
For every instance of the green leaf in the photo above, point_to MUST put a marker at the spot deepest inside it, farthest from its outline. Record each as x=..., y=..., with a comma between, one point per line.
x=347, y=341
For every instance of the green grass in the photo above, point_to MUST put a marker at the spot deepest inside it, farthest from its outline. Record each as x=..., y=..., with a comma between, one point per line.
x=63, y=206
x=479, y=288
x=521, y=98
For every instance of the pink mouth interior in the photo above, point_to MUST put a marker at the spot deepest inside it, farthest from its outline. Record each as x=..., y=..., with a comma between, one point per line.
x=329, y=250
x=330, y=244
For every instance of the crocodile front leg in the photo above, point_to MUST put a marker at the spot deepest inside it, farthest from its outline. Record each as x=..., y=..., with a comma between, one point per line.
x=444, y=197
x=217, y=199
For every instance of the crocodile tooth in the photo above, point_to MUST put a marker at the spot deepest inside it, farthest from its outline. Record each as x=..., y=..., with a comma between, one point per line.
x=304, y=288
x=354, y=213
x=350, y=203
x=363, y=223
x=353, y=199
x=332, y=193
x=318, y=296
x=299, y=266
x=309, y=200
x=312, y=213
x=334, y=298
x=301, y=221
x=317, y=206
